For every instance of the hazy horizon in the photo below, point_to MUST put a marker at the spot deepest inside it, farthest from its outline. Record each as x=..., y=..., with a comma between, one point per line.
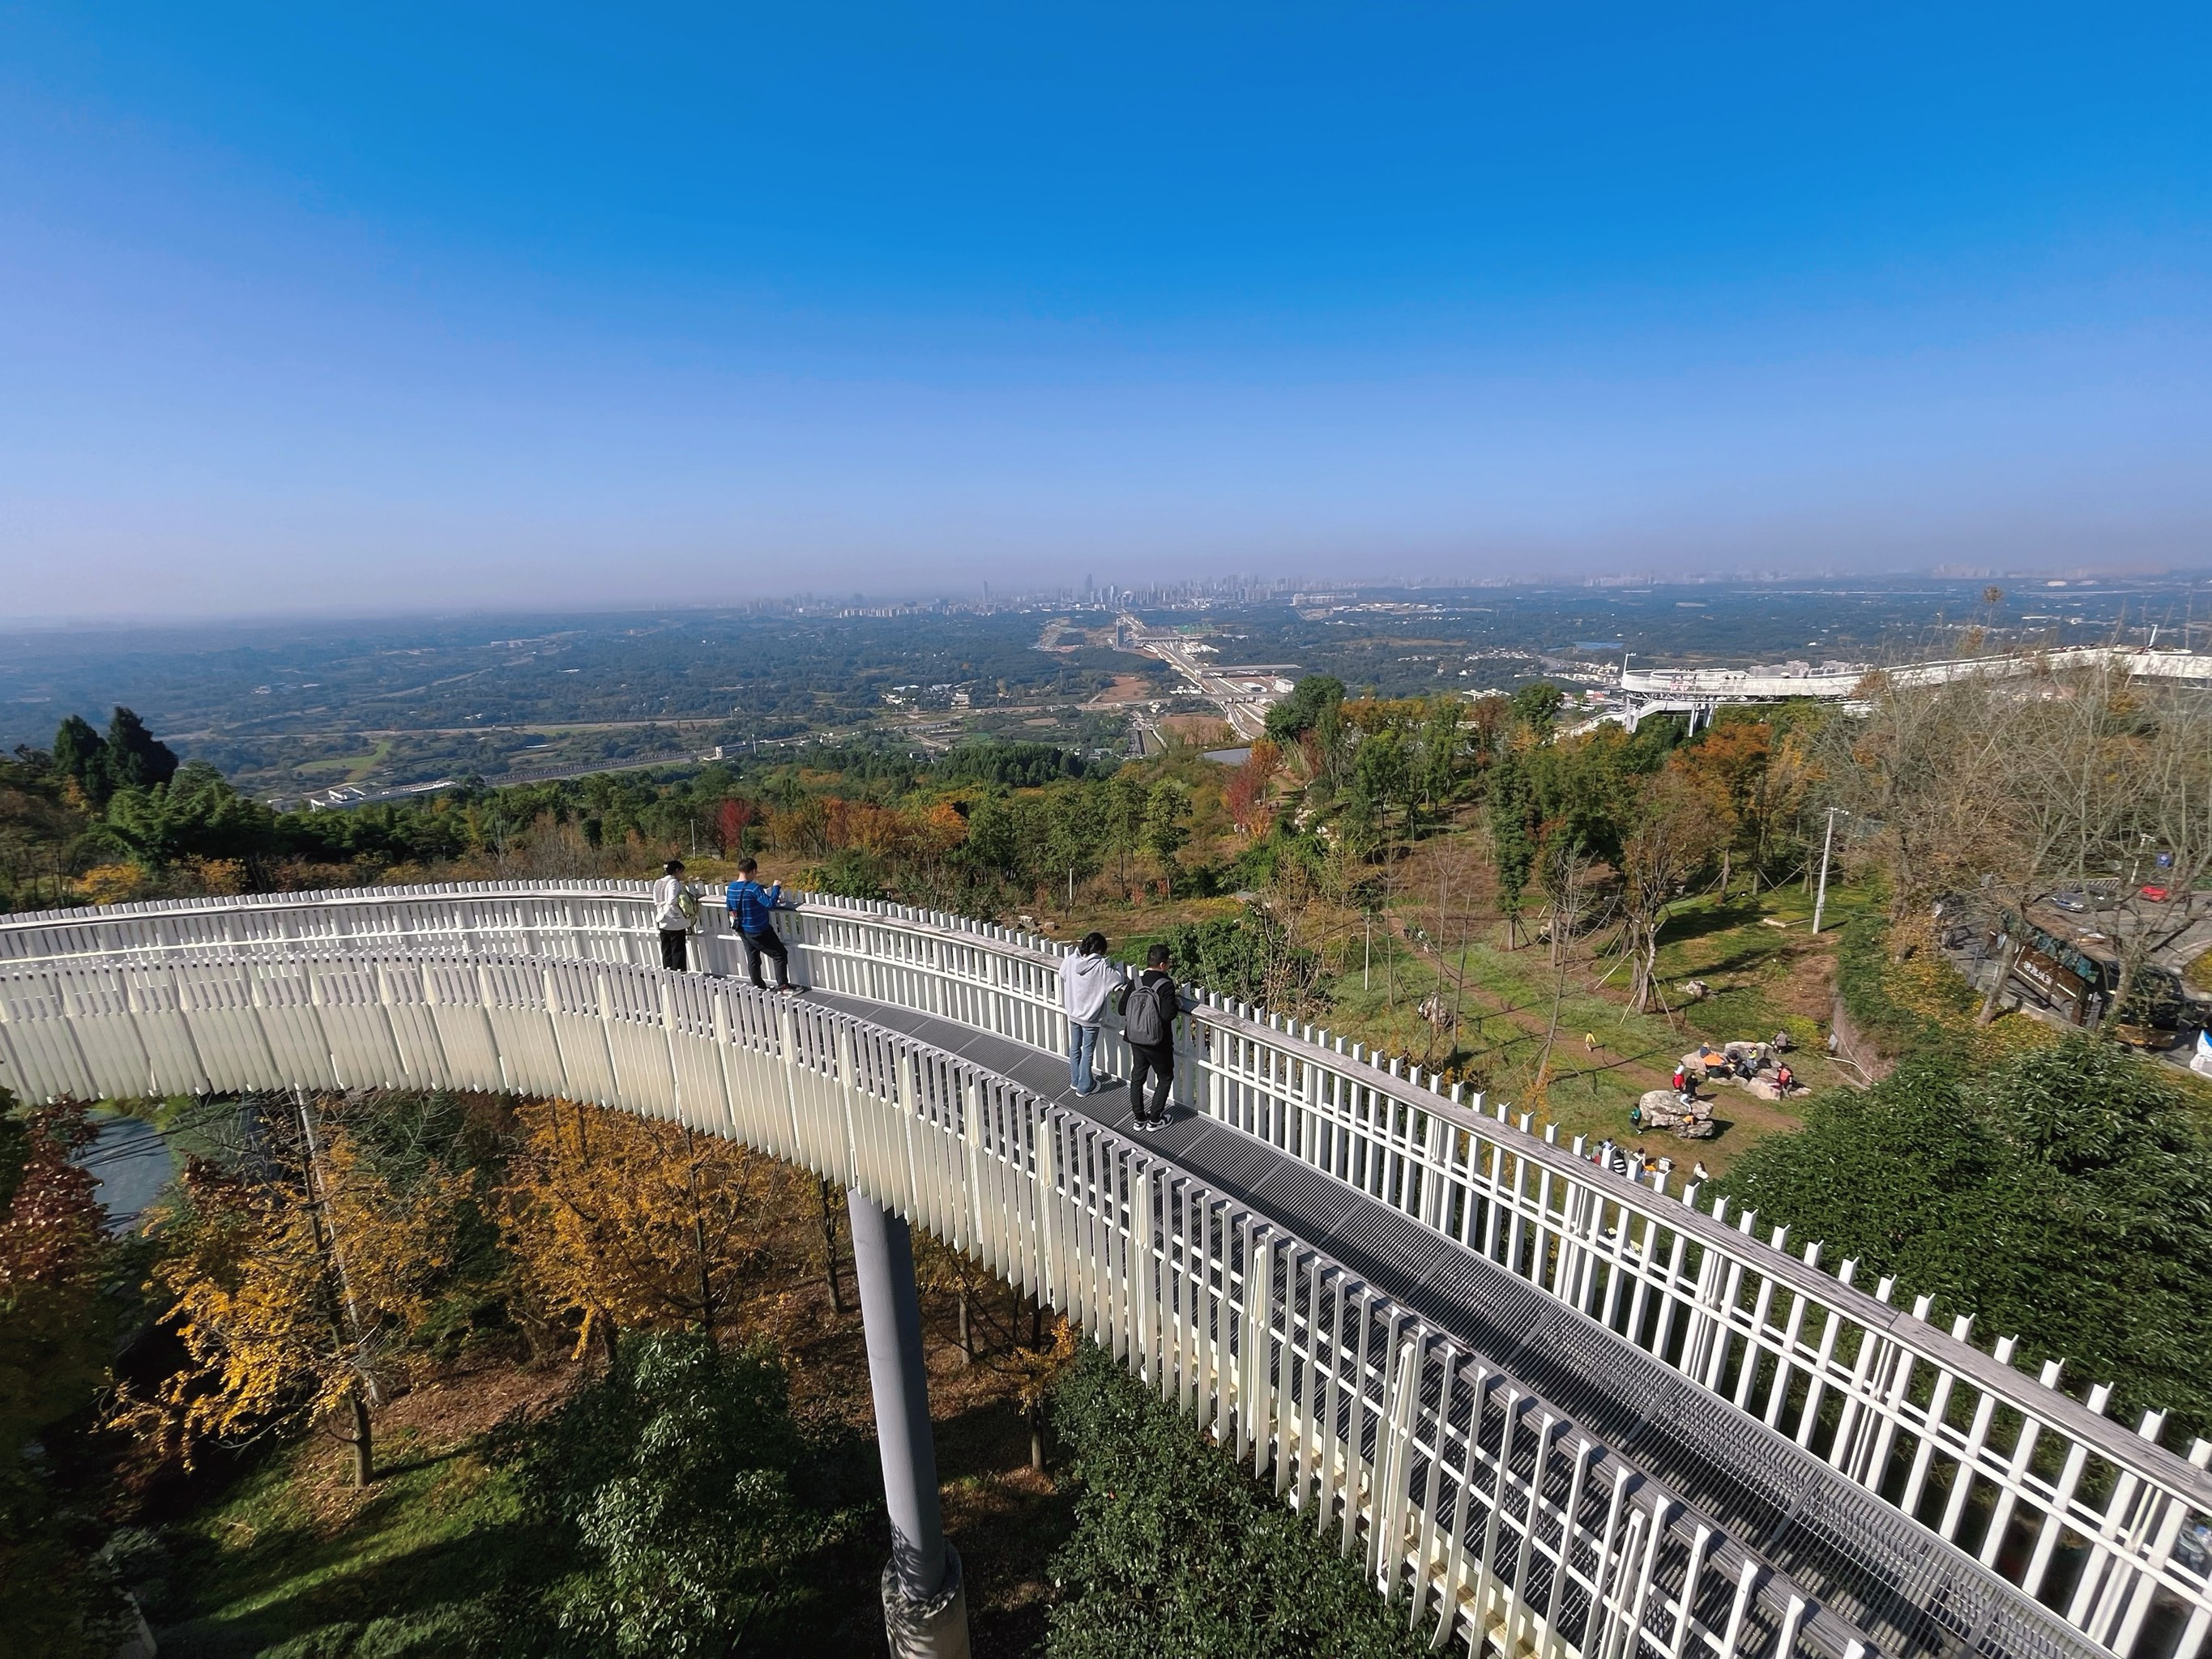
x=2161, y=589
x=312, y=315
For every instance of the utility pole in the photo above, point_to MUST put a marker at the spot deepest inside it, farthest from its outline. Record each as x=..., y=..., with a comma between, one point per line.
x=1827, y=840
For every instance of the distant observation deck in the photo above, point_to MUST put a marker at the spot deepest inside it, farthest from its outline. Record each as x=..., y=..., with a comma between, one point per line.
x=1699, y=691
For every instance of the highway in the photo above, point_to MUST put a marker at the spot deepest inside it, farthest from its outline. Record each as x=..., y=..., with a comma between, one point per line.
x=1244, y=708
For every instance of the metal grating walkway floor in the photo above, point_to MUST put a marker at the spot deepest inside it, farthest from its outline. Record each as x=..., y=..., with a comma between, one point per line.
x=1363, y=1233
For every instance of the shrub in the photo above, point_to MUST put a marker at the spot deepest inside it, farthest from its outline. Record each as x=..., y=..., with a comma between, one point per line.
x=673, y=1478
x=2064, y=1195
x=1177, y=1553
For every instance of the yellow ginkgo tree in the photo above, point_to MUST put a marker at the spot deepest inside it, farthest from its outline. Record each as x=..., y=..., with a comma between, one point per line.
x=296, y=1282
x=617, y=1222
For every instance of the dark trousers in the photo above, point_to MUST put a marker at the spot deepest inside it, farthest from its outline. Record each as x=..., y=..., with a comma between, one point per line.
x=673, y=951
x=766, y=944
x=1159, y=1061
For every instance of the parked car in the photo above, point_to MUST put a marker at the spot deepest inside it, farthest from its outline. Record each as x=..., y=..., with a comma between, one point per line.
x=2155, y=893
x=2083, y=899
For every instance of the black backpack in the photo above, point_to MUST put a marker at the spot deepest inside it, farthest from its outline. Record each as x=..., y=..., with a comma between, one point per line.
x=1148, y=1013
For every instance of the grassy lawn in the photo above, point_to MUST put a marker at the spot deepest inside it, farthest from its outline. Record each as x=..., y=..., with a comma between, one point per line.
x=1763, y=978
x=293, y=1558
x=1766, y=972
x=347, y=769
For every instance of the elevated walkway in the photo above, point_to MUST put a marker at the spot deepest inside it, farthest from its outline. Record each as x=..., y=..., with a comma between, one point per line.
x=1552, y=1409
x=1698, y=691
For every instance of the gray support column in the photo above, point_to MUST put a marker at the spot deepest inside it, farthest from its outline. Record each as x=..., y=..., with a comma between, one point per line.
x=925, y=1603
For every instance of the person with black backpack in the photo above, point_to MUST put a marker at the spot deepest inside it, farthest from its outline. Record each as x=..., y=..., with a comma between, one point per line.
x=1149, y=1005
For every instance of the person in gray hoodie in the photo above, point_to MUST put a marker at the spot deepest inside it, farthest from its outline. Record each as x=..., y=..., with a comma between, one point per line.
x=1086, y=980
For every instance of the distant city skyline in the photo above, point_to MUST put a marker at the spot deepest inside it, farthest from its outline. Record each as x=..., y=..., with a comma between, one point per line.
x=326, y=313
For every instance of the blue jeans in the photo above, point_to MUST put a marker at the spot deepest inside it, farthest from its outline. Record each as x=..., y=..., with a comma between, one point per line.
x=1082, y=1050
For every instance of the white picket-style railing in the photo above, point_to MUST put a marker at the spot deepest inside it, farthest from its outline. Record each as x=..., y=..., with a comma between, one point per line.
x=2096, y=1528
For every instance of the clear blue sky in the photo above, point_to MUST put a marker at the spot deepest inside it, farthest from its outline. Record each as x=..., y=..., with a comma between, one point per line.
x=309, y=307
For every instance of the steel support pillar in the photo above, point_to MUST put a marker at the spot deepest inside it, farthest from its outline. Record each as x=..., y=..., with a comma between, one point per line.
x=925, y=1603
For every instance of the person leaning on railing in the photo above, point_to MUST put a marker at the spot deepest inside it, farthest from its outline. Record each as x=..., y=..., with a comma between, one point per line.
x=753, y=913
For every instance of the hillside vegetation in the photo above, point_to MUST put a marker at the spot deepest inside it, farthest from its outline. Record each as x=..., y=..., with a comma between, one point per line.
x=1551, y=916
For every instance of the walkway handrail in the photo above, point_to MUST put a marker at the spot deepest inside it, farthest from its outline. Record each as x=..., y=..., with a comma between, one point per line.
x=2040, y=1487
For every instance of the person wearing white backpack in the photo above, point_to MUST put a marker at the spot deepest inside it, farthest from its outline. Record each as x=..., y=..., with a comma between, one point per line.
x=1149, y=1006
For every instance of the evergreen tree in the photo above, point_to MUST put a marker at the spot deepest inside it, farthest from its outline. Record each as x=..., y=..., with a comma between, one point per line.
x=2066, y=1197
x=1512, y=834
x=132, y=755
x=1176, y=1554
x=77, y=754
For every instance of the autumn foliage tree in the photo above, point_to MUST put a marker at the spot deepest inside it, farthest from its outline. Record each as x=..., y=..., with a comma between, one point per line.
x=56, y=1335
x=732, y=819
x=1245, y=795
x=296, y=1286
x=617, y=1222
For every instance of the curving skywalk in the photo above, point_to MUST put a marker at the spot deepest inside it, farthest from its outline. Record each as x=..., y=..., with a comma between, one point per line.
x=1700, y=691
x=1549, y=1407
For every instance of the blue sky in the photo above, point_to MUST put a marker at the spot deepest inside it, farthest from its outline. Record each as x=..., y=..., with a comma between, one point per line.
x=355, y=308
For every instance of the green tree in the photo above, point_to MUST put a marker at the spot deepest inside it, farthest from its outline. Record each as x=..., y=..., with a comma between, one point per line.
x=994, y=836
x=1121, y=821
x=1382, y=777
x=1513, y=825
x=1167, y=813
x=1302, y=710
x=1178, y=1555
x=1074, y=833
x=1537, y=706
x=1591, y=788
x=2066, y=1197
x=77, y=754
x=132, y=754
x=675, y=1478
x=1443, y=752
x=193, y=814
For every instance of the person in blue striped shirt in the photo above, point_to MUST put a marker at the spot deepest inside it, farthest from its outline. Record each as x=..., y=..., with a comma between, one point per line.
x=753, y=913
